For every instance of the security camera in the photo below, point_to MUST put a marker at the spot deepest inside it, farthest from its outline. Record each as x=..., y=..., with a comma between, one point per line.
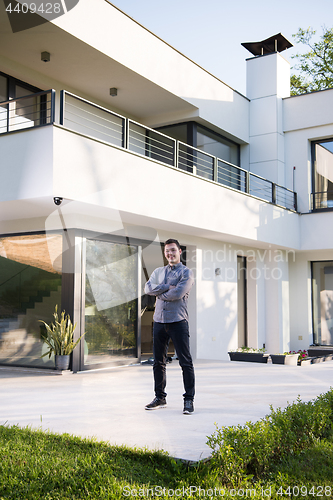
x=57, y=200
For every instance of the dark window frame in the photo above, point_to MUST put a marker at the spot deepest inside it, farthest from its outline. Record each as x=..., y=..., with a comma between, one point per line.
x=312, y=263
x=313, y=174
x=12, y=82
x=65, y=304
x=191, y=135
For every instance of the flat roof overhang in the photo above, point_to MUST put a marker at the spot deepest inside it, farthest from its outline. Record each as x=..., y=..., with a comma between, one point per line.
x=78, y=67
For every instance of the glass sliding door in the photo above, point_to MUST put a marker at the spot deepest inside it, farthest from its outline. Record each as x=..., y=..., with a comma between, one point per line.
x=30, y=288
x=322, y=302
x=111, y=292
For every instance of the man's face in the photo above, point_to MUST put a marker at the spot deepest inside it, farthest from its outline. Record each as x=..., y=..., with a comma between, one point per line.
x=172, y=253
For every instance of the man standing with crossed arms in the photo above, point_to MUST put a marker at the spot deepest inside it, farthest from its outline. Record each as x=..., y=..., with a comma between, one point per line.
x=171, y=285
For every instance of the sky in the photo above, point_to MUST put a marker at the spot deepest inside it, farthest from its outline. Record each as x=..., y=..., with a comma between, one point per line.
x=210, y=32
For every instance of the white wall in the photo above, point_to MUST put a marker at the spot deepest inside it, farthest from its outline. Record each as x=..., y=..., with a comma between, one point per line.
x=300, y=302
x=26, y=164
x=268, y=80
x=305, y=118
x=277, y=304
x=92, y=172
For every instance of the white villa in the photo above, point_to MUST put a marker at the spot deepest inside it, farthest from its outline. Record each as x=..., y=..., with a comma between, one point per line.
x=111, y=142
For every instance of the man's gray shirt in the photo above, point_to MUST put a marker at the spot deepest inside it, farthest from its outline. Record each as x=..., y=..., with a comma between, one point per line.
x=171, y=303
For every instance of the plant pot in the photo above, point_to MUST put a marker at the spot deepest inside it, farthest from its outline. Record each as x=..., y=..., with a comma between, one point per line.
x=61, y=361
x=305, y=361
x=284, y=359
x=318, y=359
x=252, y=357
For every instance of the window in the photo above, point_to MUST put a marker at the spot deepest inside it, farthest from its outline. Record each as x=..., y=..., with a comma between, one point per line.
x=3, y=109
x=19, y=114
x=110, y=302
x=3, y=88
x=218, y=146
x=204, y=139
x=322, y=302
x=30, y=288
x=322, y=161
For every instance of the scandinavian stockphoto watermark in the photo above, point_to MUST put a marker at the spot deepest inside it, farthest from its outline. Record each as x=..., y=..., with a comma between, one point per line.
x=27, y=14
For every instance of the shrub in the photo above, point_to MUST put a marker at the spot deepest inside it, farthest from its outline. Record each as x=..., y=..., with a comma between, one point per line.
x=243, y=452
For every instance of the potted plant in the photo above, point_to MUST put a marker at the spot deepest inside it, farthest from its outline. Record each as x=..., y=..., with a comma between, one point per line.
x=59, y=339
x=249, y=354
x=303, y=357
x=287, y=358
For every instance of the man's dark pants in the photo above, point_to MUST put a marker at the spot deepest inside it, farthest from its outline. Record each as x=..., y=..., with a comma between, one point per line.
x=178, y=332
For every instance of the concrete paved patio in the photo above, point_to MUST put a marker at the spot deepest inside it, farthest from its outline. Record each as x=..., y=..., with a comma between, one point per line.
x=109, y=404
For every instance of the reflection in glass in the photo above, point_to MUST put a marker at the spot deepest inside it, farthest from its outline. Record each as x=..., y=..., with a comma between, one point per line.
x=24, y=113
x=322, y=297
x=323, y=175
x=3, y=109
x=178, y=132
x=217, y=146
x=30, y=288
x=111, y=302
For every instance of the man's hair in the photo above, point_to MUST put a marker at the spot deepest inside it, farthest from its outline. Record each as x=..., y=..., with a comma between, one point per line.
x=171, y=240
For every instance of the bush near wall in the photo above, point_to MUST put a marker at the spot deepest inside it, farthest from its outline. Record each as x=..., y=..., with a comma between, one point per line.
x=250, y=452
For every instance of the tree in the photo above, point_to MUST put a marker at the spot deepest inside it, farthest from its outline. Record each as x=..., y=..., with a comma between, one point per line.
x=315, y=66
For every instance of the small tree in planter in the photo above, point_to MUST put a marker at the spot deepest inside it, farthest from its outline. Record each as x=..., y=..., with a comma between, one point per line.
x=59, y=339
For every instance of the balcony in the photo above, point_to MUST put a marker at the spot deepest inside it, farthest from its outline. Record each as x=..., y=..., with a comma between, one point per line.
x=34, y=110
x=322, y=201
x=93, y=121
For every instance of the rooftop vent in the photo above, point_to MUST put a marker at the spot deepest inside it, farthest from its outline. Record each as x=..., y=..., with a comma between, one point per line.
x=276, y=43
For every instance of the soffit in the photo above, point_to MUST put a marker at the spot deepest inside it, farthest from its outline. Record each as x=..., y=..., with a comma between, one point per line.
x=34, y=214
x=85, y=70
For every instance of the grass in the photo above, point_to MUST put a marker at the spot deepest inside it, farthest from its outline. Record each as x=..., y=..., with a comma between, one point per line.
x=288, y=454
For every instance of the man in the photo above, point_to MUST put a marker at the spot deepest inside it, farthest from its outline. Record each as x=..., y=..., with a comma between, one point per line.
x=171, y=285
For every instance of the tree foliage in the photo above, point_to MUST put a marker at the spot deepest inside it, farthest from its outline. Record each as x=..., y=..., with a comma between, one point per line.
x=315, y=67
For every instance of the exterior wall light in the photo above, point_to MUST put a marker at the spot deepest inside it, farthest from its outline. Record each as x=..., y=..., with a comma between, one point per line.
x=113, y=91
x=218, y=271
x=45, y=56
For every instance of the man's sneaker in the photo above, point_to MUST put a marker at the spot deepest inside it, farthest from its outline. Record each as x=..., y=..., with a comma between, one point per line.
x=156, y=404
x=188, y=407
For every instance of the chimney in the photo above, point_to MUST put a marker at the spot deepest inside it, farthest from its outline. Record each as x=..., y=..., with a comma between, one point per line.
x=267, y=83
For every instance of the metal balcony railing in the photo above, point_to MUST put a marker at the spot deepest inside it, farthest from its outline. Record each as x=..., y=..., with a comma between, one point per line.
x=150, y=143
x=232, y=176
x=321, y=200
x=33, y=110
x=92, y=120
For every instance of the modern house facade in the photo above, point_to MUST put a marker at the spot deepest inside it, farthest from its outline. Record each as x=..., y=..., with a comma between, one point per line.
x=111, y=142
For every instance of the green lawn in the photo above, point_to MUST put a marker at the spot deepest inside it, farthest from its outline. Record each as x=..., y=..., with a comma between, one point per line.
x=288, y=454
